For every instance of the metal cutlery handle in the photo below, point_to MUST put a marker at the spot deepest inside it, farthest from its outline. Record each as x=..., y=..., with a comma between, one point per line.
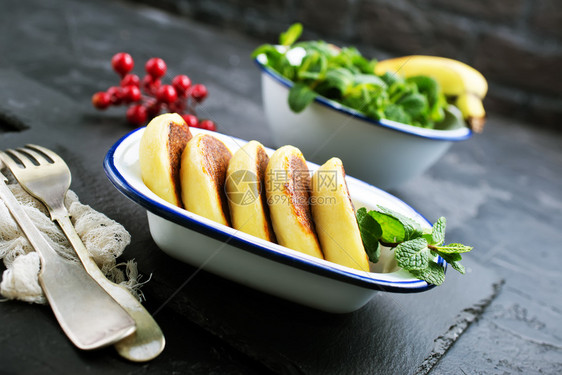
x=45, y=175
x=87, y=314
x=148, y=340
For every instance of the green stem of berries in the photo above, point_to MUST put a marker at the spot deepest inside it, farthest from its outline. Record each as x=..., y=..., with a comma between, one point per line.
x=414, y=249
x=148, y=97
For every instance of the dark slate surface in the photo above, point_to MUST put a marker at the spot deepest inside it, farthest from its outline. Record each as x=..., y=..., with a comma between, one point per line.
x=392, y=334
x=501, y=192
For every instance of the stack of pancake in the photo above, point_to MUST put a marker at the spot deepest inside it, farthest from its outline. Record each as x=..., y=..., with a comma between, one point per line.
x=273, y=197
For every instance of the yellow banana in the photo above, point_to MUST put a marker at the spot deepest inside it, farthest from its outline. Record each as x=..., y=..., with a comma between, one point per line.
x=454, y=77
x=472, y=110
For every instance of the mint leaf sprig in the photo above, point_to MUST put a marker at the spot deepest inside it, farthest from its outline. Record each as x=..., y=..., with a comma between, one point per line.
x=414, y=249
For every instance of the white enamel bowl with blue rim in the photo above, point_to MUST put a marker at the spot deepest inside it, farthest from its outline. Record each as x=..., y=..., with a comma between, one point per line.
x=382, y=152
x=254, y=262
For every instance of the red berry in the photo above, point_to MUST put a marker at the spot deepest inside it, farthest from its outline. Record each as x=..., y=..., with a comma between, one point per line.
x=101, y=100
x=181, y=83
x=136, y=114
x=167, y=94
x=191, y=120
x=115, y=94
x=156, y=67
x=208, y=125
x=131, y=94
x=130, y=80
x=199, y=92
x=150, y=84
x=122, y=63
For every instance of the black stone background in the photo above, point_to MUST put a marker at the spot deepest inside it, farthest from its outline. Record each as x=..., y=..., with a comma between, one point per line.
x=500, y=192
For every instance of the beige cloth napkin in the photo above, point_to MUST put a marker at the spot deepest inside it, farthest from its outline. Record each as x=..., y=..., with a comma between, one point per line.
x=104, y=238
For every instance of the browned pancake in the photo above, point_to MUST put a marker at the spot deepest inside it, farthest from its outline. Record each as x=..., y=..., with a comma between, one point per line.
x=245, y=189
x=216, y=158
x=334, y=217
x=288, y=194
x=261, y=164
x=160, y=149
x=298, y=189
x=346, y=188
x=215, y=164
x=178, y=136
x=204, y=162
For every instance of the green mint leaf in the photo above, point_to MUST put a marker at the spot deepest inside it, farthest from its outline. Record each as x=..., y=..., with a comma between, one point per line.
x=438, y=232
x=285, y=67
x=267, y=50
x=414, y=104
x=454, y=261
x=308, y=76
x=390, y=78
x=453, y=248
x=428, y=86
x=458, y=267
x=318, y=46
x=395, y=226
x=437, y=113
x=452, y=119
x=365, y=66
x=392, y=229
x=450, y=257
x=374, y=253
x=396, y=113
x=357, y=97
x=398, y=89
x=370, y=233
x=413, y=254
x=290, y=36
x=433, y=274
x=437, y=102
x=370, y=79
x=339, y=79
x=300, y=96
x=313, y=67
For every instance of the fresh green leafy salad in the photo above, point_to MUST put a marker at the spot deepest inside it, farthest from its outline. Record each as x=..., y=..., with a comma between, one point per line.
x=345, y=76
x=414, y=249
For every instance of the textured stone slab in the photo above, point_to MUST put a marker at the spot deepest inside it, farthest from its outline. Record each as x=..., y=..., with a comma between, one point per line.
x=495, y=189
x=392, y=334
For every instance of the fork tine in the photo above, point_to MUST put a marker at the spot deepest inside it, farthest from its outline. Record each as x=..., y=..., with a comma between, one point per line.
x=9, y=162
x=11, y=155
x=40, y=158
x=51, y=154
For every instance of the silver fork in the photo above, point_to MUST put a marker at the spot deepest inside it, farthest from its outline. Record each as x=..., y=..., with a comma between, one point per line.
x=86, y=313
x=45, y=175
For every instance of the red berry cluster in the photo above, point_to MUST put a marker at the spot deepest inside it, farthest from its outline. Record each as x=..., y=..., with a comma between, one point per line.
x=148, y=97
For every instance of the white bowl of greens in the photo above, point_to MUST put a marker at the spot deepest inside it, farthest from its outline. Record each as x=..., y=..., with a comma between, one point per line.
x=328, y=102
